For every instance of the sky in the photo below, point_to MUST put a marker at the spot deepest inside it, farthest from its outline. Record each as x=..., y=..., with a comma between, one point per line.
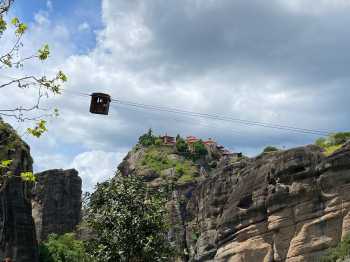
x=284, y=62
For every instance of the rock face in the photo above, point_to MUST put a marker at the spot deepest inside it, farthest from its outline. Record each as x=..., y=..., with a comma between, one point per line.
x=283, y=206
x=56, y=202
x=17, y=232
x=286, y=206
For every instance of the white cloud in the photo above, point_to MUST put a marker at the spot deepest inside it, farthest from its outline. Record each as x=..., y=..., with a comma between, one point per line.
x=42, y=18
x=249, y=59
x=96, y=166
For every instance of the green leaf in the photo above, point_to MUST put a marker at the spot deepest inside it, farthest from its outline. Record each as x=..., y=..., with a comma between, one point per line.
x=38, y=130
x=5, y=163
x=62, y=76
x=44, y=52
x=21, y=28
x=3, y=25
x=15, y=21
x=28, y=176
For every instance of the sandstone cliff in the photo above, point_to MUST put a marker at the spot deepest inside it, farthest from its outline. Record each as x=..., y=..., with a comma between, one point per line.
x=56, y=202
x=282, y=206
x=17, y=232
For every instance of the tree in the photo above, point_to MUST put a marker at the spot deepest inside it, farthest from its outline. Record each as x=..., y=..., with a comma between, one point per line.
x=129, y=222
x=199, y=149
x=64, y=248
x=181, y=146
x=12, y=59
x=147, y=139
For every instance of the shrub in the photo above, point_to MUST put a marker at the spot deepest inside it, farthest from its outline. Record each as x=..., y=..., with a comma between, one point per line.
x=64, y=248
x=147, y=139
x=269, y=149
x=181, y=146
x=186, y=178
x=180, y=170
x=158, y=141
x=338, y=253
x=199, y=150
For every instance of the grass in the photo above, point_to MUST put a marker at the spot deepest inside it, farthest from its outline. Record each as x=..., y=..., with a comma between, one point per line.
x=329, y=150
x=157, y=159
x=184, y=179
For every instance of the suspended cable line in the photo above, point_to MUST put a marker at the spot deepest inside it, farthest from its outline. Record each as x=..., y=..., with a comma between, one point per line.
x=219, y=117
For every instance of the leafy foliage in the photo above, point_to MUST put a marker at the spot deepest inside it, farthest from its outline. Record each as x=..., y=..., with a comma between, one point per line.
x=338, y=253
x=28, y=176
x=44, y=52
x=39, y=129
x=181, y=146
x=270, y=149
x=333, y=142
x=147, y=139
x=129, y=222
x=158, y=160
x=14, y=59
x=185, y=178
x=64, y=248
x=199, y=150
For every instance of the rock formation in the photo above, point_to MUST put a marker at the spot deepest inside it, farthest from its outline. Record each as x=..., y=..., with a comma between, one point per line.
x=56, y=202
x=17, y=232
x=281, y=206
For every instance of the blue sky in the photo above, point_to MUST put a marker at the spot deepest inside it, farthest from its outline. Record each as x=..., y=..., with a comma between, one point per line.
x=278, y=61
x=70, y=13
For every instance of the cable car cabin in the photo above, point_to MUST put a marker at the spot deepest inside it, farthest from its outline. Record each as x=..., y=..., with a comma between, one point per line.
x=100, y=103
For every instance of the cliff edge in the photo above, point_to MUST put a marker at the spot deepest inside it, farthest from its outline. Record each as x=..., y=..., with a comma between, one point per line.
x=287, y=205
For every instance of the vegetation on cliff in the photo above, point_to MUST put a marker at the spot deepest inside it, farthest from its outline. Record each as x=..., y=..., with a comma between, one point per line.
x=177, y=162
x=333, y=142
x=338, y=253
x=270, y=149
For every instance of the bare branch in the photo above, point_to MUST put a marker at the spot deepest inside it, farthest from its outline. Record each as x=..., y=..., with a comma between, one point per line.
x=5, y=6
x=20, y=113
x=13, y=49
x=19, y=81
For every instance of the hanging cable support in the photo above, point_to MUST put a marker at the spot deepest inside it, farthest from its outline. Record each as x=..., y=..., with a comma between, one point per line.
x=219, y=117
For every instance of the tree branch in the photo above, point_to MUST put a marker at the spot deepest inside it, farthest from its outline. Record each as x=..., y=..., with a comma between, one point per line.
x=19, y=81
x=20, y=113
x=5, y=6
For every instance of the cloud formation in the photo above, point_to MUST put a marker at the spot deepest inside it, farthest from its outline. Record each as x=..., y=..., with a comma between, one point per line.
x=281, y=62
